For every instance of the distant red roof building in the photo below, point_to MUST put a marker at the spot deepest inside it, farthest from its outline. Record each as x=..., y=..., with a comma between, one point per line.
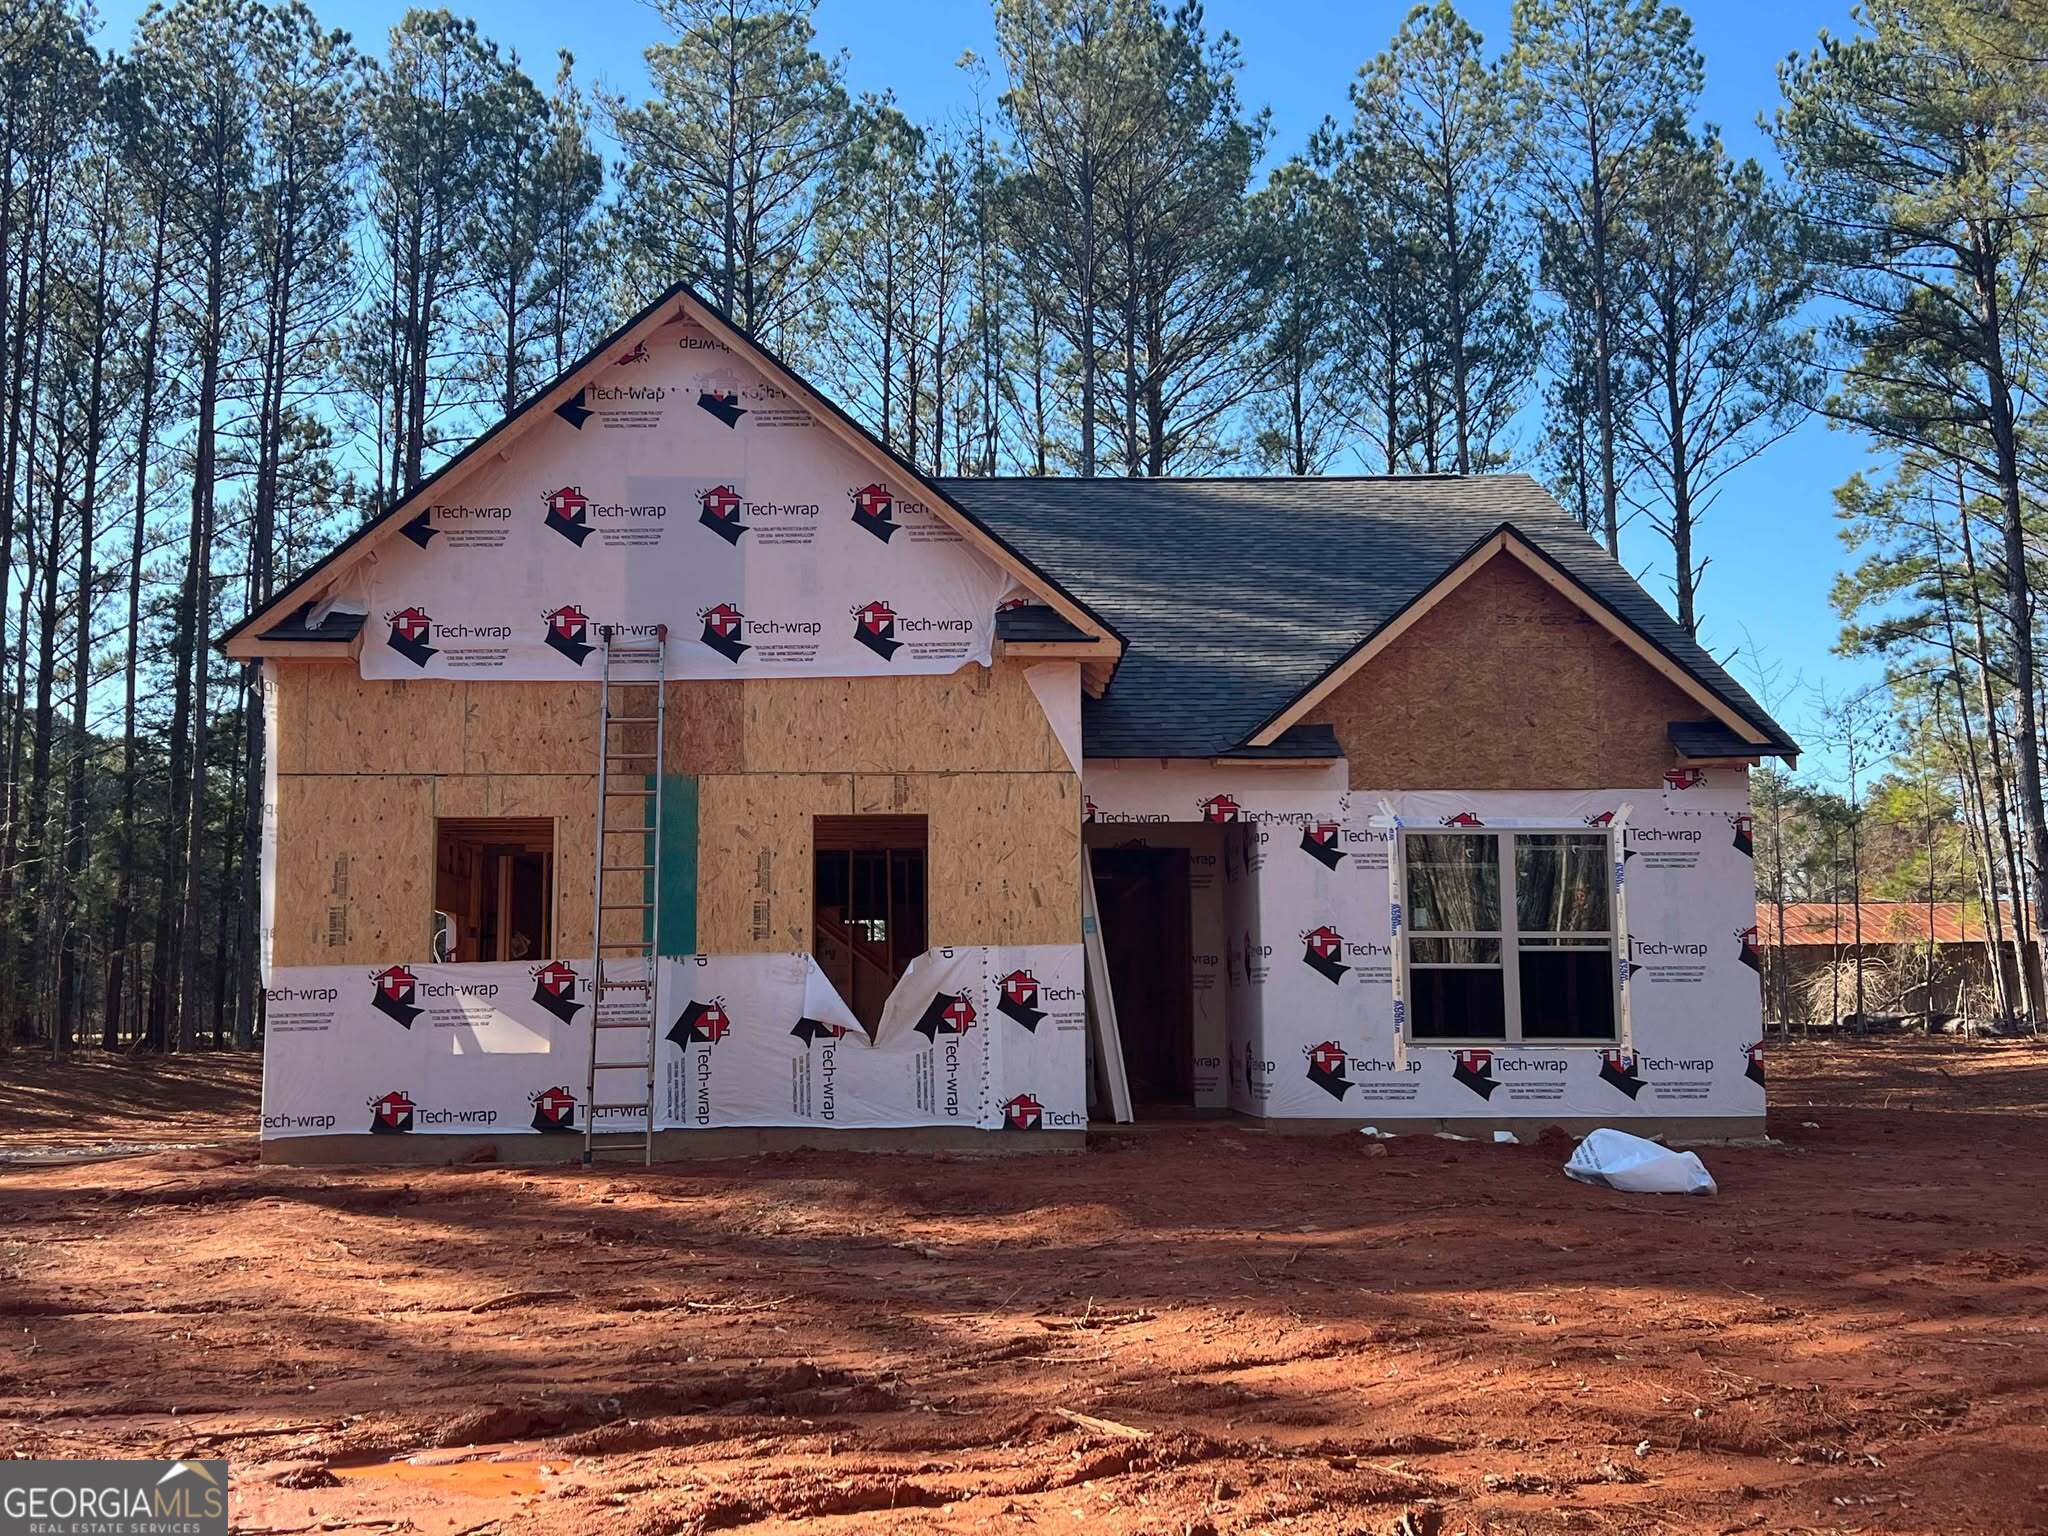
x=1823, y=924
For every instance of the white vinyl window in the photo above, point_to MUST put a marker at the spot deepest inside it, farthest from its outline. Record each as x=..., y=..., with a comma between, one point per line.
x=1510, y=936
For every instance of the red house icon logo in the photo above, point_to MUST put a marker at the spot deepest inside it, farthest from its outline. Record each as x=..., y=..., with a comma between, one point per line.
x=392, y=1114
x=875, y=627
x=554, y=1111
x=567, y=633
x=569, y=514
x=1220, y=808
x=874, y=509
x=1023, y=1113
x=411, y=631
x=1685, y=778
x=719, y=510
x=723, y=626
x=392, y=994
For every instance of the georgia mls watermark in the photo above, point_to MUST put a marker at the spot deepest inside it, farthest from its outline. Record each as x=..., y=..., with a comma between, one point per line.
x=113, y=1498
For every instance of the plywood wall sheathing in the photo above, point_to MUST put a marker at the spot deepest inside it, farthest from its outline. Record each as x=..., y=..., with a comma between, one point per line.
x=975, y=720
x=754, y=857
x=1005, y=858
x=346, y=725
x=355, y=879
x=1505, y=685
x=529, y=727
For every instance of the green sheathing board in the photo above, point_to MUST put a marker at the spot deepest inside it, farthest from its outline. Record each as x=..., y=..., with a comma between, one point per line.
x=675, y=865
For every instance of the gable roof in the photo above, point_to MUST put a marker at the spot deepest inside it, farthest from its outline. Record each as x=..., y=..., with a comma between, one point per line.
x=1240, y=596
x=282, y=620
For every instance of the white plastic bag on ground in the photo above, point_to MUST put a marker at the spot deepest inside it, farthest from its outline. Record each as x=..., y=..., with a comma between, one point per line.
x=1622, y=1161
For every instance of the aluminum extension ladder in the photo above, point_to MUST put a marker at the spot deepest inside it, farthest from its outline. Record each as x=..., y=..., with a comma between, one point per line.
x=639, y=664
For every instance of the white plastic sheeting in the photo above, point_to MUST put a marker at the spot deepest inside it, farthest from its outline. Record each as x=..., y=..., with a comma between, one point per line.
x=1618, y=1160
x=1309, y=957
x=991, y=1037
x=680, y=487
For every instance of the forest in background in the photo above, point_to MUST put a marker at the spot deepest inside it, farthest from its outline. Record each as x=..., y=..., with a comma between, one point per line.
x=258, y=279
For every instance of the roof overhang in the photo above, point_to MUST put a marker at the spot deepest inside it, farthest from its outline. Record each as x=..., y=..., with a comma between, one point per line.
x=1509, y=541
x=248, y=640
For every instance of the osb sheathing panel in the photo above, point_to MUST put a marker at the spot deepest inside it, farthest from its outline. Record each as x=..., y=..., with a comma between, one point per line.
x=346, y=725
x=975, y=720
x=331, y=721
x=1005, y=858
x=754, y=857
x=355, y=878
x=1004, y=854
x=1505, y=684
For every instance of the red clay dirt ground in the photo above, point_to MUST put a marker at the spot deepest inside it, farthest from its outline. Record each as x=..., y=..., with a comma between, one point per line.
x=1187, y=1329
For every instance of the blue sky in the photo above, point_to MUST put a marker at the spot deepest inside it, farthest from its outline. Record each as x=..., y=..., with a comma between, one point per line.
x=1771, y=535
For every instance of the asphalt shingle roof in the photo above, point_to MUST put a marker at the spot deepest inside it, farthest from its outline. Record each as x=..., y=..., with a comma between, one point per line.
x=1235, y=595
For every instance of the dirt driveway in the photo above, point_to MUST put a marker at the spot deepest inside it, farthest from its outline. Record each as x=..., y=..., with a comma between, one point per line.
x=1184, y=1330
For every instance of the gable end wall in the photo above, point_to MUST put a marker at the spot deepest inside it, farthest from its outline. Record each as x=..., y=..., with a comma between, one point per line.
x=1505, y=684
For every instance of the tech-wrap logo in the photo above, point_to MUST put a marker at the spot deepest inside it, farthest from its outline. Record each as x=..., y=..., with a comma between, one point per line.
x=722, y=406
x=554, y=988
x=874, y=626
x=723, y=625
x=1462, y=819
x=875, y=510
x=701, y=1024
x=1326, y=1063
x=1475, y=1070
x=1019, y=1000
x=620, y=405
x=1685, y=778
x=1219, y=808
x=1320, y=840
x=1023, y=1113
x=1753, y=1063
x=568, y=513
x=392, y=993
x=567, y=633
x=637, y=353
x=719, y=510
x=1258, y=1073
x=1743, y=826
x=949, y=1013
x=554, y=1112
x=467, y=525
x=1750, y=954
x=1618, y=1069
x=1322, y=951
x=1087, y=809
x=392, y=1115
x=810, y=1031
x=412, y=631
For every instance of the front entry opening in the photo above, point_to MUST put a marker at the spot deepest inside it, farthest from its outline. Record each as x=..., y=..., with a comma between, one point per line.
x=1142, y=900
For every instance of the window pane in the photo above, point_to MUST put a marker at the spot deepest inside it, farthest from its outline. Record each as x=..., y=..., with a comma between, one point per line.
x=1567, y=994
x=1457, y=1005
x=1454, y=951
x=1561, y=882
x=1453, y=882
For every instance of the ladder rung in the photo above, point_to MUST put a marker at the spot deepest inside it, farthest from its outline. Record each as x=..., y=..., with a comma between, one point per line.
x=632, y=719
x=610, y=791
x=617, y=869
x=624, y=986
x=625, y=906
x=637, y=1107
x=636, y=755
x=639, y=944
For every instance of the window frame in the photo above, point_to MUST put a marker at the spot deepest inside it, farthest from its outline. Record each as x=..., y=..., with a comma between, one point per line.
x=1511, y=937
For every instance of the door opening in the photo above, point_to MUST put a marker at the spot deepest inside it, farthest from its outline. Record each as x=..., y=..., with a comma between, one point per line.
x=1142, y=898
x=494, y=888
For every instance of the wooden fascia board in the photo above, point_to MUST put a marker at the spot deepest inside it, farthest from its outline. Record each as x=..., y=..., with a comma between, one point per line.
x=253, y=648
x=1104, y=649
x=1505, y=541
x=833, y=420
